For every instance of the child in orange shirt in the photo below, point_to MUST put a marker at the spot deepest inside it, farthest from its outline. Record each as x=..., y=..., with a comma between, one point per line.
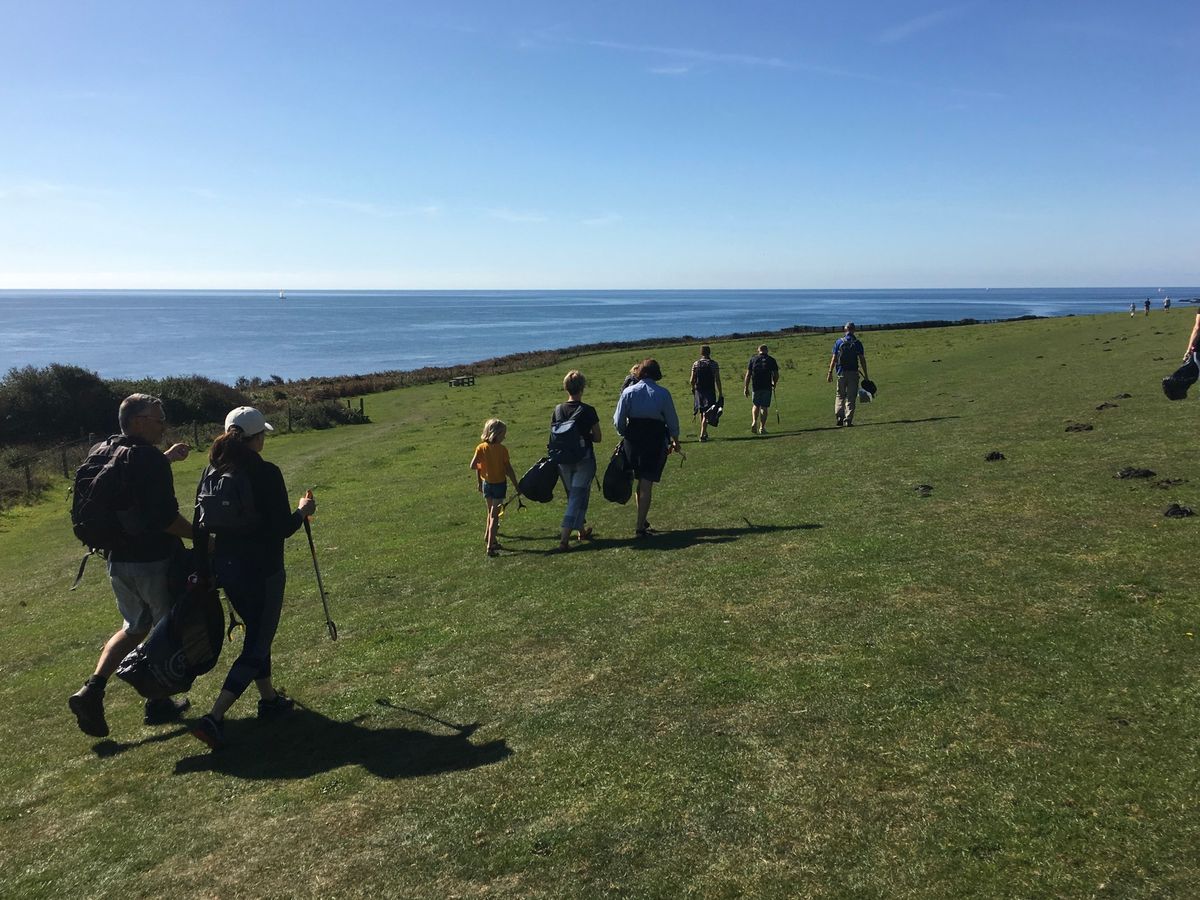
x=491, y=466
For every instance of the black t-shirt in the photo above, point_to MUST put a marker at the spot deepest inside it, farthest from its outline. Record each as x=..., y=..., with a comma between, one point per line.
x=152, y=492
x=764, y=371
x=583, y=424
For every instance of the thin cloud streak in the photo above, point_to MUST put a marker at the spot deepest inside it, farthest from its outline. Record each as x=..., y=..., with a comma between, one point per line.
x=373, y=210
x=515, y=216
x=905, y=30
x=600, y=221
x=670, y=70
x=742, y=59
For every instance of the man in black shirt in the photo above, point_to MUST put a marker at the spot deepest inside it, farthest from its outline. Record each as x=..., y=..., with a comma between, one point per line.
x=706, y=387
x=762, y=373
x=138, y=570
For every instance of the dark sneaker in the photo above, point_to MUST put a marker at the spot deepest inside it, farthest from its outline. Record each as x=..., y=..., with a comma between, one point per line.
x=840, y=422
x=210, y=731
x=273, y=709
x=88, y=705
x=165, y=709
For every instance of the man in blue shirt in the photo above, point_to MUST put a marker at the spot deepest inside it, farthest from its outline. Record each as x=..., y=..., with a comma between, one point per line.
x=849, y=361
x=646, y=419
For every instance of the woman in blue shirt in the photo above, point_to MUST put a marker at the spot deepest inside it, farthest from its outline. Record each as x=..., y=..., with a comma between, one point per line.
x=646, y=420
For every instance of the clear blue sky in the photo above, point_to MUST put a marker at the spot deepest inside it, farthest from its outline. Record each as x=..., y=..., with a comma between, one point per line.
x=605, y=144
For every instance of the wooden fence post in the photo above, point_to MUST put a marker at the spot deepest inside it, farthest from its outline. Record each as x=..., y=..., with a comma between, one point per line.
x=360, y=407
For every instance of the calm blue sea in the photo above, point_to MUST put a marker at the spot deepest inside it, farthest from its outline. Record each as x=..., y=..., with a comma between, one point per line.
x=227, y=334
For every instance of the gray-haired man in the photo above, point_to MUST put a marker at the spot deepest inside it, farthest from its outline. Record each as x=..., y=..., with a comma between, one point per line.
x=138, y=570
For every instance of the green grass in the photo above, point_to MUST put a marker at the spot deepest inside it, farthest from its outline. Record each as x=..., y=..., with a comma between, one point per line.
x=815, y=683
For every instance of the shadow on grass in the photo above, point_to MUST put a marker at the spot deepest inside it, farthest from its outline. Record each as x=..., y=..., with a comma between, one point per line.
x=690, y=537
x=306, y=743
x=108, y=747
x=790, y=433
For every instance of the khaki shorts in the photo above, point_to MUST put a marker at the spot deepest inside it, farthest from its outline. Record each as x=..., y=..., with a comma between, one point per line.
x=141, y=591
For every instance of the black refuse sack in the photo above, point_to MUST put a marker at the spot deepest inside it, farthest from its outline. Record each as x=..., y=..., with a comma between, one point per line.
x=618, y=477
x=713, y=414
x=538, y=483
x=1176, y=385
x=184, y=644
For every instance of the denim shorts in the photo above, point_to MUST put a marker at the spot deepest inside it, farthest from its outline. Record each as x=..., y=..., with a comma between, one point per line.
x=142, y=593
x=762, y=399
x=495, y=491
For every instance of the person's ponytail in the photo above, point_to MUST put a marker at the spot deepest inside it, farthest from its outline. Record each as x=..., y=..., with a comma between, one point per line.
x=229, y=451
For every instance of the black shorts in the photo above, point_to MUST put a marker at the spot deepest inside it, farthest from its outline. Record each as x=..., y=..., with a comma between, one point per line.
x=646, y=448
x=701, y=400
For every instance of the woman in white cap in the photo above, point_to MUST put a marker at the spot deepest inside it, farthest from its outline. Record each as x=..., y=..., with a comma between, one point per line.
x=248, y=558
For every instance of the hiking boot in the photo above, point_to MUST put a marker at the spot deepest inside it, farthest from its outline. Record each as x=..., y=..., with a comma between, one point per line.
x=281, y=705
x=840, y=421
x=165, y=709
x=210, y=731
x=703, y=438
x=88, y=705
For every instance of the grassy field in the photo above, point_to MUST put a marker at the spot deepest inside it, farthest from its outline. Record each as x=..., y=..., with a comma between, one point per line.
x=816, y=682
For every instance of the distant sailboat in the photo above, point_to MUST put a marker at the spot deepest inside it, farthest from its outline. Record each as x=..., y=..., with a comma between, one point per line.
x=282, y=295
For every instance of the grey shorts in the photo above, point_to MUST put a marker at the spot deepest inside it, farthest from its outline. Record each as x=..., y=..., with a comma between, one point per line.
x=142, y=594
x=762, y=399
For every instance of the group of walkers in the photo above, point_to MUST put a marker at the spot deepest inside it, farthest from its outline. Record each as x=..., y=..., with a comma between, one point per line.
x=647, y=423
x=247, y=562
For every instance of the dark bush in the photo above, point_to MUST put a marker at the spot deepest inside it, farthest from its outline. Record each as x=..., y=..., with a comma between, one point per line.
x=191, y=398
x=55, y=403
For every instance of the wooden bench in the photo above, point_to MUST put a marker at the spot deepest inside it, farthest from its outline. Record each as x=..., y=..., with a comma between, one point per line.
x=462, y=381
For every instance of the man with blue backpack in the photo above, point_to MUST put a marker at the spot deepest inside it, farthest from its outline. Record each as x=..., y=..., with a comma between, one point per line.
x=849, y=361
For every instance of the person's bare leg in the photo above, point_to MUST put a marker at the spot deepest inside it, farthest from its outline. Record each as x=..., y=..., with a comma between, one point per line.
x=645, y=488
x=115, y=650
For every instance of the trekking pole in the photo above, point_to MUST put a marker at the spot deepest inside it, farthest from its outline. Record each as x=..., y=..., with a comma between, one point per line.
x=316, y=568
x=774, y=399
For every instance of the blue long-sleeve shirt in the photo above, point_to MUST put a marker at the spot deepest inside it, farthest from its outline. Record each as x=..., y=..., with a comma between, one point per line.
x=646, y=400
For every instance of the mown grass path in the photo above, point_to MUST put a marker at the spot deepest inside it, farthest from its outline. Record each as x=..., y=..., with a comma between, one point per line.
x=817, y=681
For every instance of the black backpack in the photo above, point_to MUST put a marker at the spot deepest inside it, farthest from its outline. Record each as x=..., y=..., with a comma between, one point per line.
x=760, y=372
x=101, y=498
x=705, y=380
x=567, y=444
x=618, y=477
x=184, y=644
x=538, y=483
x=225, y=502
x=1176, y=385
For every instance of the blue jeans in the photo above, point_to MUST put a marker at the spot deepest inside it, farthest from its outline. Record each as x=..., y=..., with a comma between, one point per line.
x=259, y=601
x=577, y=479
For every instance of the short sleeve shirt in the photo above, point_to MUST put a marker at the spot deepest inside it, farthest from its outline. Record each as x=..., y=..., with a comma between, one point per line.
x=704, y=374
x=493, y=462
x=588, y=418
x=764, y=372
x=847, y=361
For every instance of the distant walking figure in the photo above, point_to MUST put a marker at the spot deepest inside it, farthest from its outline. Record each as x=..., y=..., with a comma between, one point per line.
x=847, y=360
x=1166, y=304
x=645, y=417
x=1133, y=309
x=706, y=387
x=1147, y=306
x=762, y=374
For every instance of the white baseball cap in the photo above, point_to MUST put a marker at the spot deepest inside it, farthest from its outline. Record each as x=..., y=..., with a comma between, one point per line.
x=248, y=420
